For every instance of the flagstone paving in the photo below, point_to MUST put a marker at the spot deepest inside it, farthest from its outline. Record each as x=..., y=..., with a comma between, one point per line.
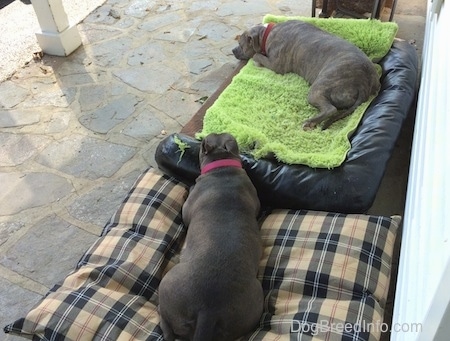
x=76, y=132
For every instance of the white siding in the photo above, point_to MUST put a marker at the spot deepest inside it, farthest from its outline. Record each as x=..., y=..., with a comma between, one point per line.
x=423, y=287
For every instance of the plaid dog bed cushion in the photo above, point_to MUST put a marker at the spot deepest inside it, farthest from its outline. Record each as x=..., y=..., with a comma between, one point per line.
x=325, y=275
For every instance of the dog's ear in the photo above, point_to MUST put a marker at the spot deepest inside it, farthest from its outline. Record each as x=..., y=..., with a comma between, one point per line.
x=253, y=39
x=206, y=147
x=232, y=147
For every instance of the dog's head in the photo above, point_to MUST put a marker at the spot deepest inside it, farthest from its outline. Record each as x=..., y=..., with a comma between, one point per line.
x=249, y=43
x=218, y=146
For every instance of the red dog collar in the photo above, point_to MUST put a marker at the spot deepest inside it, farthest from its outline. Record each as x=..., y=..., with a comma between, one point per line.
x=265, y=35
x=221, y=163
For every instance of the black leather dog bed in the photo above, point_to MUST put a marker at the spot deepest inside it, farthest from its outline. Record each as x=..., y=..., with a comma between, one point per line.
x=349, y=188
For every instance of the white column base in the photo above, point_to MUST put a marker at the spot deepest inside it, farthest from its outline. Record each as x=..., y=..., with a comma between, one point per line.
x=59, y=44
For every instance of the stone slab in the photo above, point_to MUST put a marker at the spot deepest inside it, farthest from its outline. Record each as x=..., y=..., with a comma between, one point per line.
x=48, y=239
x=7, y=229
x=217, y=31
x=92, y=96
x=98, y=205
x=150, y=52
x=107, y=117
x=140, y=8
x=155, y=78
x=18, y=118
x=92, y=33
x=46, y=93
x=181, y=35
x=17, y=148
x=176, y=104
x=145, y=126
x=81, y=156
x=15, y=304
x=12, y=94
x=157, y=22
x=110, y=53
x=21, y=191
x=213, y=79
x=243, y=8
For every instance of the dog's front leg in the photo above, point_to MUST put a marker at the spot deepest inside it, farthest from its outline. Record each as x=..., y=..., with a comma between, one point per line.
x=262, y=60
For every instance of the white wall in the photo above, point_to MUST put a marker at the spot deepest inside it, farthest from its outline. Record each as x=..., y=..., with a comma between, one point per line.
x=423, y=287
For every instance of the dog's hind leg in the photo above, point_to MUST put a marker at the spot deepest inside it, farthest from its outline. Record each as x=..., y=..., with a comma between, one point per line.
x=326, y=109
x=167, y=330
x=205, y=327
x=339, y=115
x=342, y=114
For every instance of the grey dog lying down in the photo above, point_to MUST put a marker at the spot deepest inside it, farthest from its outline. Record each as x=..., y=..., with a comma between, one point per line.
x=341, y=76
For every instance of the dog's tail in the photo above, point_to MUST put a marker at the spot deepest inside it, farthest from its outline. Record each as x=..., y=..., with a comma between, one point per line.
x=205, y=327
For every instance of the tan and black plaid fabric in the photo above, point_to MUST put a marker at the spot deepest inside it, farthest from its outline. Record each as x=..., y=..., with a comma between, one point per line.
x=325, y=276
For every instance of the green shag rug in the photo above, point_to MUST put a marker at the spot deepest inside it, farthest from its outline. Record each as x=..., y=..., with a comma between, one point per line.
x=265, y=111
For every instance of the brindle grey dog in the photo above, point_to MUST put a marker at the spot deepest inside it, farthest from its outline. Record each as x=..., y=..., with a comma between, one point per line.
x=341, y=76
x=214, y=293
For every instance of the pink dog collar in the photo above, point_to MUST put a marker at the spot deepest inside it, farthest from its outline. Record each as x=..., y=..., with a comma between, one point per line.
x=265, y=35
x=221, y=163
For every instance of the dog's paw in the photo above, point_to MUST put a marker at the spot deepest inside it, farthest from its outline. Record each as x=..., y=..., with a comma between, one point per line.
x=256, y=63
x=309, y=125
x=258, y=59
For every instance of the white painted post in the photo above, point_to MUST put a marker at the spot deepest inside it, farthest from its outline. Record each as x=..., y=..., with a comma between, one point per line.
x=57, y=37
